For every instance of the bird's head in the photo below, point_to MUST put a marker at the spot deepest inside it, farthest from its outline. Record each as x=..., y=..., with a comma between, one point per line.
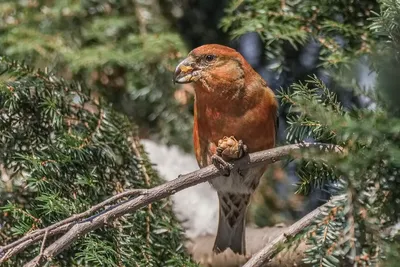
x=213, y=66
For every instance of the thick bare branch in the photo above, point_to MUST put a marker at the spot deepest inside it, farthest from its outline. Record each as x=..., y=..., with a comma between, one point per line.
x=76, y=228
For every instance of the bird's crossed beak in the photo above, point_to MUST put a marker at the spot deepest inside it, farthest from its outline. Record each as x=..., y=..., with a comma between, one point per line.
x=186, y=72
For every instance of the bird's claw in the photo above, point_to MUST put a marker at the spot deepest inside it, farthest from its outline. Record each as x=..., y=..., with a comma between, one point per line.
x=223, y=166
x=231, y=148
x=242, y=148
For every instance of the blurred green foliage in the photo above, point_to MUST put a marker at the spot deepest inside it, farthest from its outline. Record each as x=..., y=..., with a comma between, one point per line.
x=124, y=49
x=386, y=58
x=340, y=27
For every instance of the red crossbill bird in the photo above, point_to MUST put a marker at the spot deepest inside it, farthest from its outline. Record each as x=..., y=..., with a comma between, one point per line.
x=235, y=112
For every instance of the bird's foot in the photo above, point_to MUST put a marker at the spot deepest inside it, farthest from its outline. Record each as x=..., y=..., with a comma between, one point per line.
x=229, y=147
x=223, y=166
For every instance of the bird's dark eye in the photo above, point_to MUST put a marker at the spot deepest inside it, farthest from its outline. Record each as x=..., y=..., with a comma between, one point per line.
x=210, y=58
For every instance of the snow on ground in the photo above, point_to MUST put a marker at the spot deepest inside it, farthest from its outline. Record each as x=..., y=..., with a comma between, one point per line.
x=196, y=207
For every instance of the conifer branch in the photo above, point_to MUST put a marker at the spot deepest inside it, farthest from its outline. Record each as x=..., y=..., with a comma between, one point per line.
x=262, y=257
x=75, y=226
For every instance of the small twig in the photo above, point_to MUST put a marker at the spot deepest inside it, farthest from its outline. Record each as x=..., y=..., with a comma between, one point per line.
x=75, y=229
x=135, y=147
x=43, y=243
x=36, y=261
x=139, y=10
x=283, y=4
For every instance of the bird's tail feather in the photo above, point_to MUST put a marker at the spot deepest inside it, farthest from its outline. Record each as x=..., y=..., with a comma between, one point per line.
x=231, y=224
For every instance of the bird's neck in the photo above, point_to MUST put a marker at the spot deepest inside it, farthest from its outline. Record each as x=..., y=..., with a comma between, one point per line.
x=219, y=101
x=232, y=98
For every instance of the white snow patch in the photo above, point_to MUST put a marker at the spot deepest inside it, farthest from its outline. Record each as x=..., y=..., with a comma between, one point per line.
x=196, y=207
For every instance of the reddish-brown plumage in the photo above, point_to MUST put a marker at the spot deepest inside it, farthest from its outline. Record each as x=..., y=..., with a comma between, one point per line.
x=253, y=123
x=231, y=99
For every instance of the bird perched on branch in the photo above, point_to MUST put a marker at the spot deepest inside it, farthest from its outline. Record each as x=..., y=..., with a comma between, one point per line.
x=235, y=112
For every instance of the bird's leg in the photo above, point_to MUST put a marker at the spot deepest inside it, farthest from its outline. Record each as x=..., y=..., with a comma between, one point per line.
x=228, y=148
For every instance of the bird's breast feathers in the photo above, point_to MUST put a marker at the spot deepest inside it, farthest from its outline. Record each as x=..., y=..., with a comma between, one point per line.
x=255, y=127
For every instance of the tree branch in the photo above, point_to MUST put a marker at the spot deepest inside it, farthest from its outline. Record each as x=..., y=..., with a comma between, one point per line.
x=76, y=228
x=265, y=255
